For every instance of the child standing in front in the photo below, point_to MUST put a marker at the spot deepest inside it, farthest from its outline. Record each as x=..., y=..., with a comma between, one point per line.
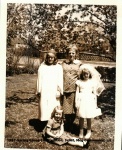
x=88, y=87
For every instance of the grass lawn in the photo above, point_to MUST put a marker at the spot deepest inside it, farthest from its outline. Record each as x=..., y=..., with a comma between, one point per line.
x=22, y=129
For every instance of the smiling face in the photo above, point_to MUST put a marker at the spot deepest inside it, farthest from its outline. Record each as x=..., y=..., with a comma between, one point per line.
x=72, y=55
x=58, y=116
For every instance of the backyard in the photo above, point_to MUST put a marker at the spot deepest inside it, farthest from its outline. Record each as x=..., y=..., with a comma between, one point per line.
x=31, y=32
x=23, y=129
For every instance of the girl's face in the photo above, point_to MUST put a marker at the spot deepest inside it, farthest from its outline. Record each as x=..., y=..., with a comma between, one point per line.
x=58, y=116
x=86, y=75
x=50, y=58
x=72, y=55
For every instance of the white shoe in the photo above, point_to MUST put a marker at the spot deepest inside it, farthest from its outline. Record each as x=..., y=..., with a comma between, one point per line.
x=88, y=135
x=81, y=134
x=81, y=144
x=84, y=142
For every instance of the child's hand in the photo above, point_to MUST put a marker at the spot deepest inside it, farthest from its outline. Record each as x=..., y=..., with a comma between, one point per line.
x=77, y=106
x=38, y=95
x=57, y=135
x=58, y=94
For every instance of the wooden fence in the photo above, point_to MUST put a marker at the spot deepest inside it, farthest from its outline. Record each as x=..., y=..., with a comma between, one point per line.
x=90, y=57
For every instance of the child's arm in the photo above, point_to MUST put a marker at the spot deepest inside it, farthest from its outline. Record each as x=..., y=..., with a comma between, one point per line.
x=60, y=80
x=77, y=97
x=49, y=127
x=38, y=81
x=48, y=131
x=61, y=130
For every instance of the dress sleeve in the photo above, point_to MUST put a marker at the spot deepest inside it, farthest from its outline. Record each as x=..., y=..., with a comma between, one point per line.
x=60, y=79
x=77, y=82
x=39, y=78
x=49, y=124
x=99, y=87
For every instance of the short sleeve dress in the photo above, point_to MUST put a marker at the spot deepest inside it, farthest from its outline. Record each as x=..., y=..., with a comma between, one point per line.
x=87, y=99
x=55, y=128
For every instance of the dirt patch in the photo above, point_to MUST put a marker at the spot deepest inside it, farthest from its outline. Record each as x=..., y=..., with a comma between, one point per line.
x=23, y=129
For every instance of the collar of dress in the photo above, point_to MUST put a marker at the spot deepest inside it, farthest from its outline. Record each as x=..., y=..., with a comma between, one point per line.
x=56, y=121
x=74, y=62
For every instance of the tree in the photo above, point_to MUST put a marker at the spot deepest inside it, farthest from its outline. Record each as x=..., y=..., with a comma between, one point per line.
x=45, y=26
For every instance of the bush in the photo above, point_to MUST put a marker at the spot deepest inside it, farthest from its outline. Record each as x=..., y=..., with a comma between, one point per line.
x=17, y=70
x=107, y=74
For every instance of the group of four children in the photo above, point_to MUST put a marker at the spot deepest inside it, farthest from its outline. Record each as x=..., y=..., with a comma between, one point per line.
x=79, y=85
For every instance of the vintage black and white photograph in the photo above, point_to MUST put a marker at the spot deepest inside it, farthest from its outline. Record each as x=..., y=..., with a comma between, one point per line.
x=60, y=76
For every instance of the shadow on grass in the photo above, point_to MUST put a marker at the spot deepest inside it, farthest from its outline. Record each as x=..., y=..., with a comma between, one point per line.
x=75, y=129
x=9, y=123
x=13, y=100
x=37, y=124
x=106, y=101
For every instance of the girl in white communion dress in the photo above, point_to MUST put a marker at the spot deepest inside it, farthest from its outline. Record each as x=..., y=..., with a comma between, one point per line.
x=88, y=87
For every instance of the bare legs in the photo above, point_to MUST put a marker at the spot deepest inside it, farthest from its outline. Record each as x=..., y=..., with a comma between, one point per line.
x=81, y=123
x=88, y=129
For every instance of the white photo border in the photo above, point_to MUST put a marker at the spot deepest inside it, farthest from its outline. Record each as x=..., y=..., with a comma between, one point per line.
x=3, y=27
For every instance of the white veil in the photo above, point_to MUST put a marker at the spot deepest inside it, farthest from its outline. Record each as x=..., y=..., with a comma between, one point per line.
x=99, y=87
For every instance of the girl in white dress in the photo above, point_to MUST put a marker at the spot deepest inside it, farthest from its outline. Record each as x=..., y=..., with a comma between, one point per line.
x=88, y=87
x=49, y=82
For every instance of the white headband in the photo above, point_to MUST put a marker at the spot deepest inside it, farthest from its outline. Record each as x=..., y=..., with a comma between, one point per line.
x=58, y=110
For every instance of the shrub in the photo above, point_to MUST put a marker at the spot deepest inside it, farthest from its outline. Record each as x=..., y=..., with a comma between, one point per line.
x=107, y=74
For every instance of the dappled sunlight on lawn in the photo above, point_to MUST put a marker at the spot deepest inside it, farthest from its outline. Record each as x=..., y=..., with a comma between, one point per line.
x=24, y=130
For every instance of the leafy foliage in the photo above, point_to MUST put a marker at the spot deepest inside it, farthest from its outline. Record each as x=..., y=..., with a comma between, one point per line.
x=107, y=74
x=43, y=26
